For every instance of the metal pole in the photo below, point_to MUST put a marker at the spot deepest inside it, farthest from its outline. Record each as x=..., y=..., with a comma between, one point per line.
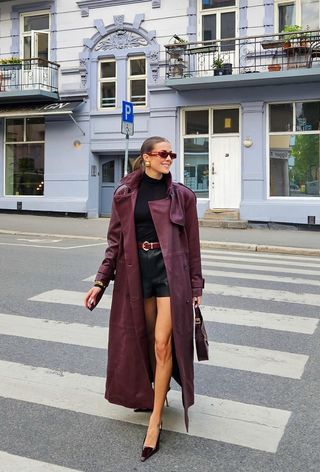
x=126, y=156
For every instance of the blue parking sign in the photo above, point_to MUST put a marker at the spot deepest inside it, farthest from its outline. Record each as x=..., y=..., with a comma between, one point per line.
x=127, y=112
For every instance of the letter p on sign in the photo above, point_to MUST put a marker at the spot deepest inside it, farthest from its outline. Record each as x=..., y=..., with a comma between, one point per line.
x=127, y=112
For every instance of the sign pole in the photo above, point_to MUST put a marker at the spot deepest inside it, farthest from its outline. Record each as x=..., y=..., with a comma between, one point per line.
x=126, y=156
x=127, y=128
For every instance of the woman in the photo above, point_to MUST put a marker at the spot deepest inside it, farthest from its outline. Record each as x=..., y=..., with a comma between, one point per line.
x=153, y=255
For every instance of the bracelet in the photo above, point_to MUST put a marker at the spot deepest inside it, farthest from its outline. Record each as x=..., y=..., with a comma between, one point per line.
x=99, y=284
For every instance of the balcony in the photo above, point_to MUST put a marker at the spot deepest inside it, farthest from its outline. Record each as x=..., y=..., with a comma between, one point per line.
x=30, y=80
x=248, y=61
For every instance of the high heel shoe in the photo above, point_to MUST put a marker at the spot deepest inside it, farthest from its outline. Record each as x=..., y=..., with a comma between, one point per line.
x=148, y=451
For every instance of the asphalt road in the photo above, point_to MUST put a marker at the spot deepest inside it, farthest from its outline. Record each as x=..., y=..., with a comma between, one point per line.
x=257, y=405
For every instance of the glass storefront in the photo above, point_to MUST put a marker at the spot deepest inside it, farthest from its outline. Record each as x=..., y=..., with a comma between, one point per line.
x=295, y=155
x=24, y=156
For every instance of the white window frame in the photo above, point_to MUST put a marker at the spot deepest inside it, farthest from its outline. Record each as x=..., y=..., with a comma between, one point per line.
x=132, y=78
x=5, y=142
x=102, y=80
x=32, y=32
x=281, y=133
x=298, y=18
x=218, y=12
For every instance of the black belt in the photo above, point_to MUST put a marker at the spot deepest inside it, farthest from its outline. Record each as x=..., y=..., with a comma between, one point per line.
x=146, y=246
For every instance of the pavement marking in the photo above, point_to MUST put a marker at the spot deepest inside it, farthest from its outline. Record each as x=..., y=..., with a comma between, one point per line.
x=11, y=463
x=230, y=356
x=275, y=321
x=265, y=277
x=258, y=319
x=40, y=240
x=259, y=268
x=274, y=259
x=263, y=294
x=242, y=424
x=52, y=247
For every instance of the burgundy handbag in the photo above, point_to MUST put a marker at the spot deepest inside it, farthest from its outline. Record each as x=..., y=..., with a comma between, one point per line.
x=201, y=338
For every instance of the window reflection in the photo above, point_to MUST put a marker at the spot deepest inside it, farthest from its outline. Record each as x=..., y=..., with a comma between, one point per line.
x=295, y=165
x=196, y=165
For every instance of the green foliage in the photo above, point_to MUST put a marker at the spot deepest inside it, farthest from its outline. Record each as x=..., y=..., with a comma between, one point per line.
x=218, y=63
x=306, y=152
x=10, y=60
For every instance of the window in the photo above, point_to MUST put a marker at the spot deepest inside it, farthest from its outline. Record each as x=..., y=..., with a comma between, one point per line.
x=300, y=12
x=196, y=151
x=137, y=81
x=108, y=83
x=294, y=142
x=218, y=21
x=24, y=156
x=35, y=28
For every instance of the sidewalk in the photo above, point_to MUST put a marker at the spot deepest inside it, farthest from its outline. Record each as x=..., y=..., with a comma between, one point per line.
x=288, y=240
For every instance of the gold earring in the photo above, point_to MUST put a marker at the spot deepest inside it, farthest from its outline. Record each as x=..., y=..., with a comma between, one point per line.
x=147, y=163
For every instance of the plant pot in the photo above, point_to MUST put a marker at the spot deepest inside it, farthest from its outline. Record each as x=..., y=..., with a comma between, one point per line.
x=274, y=67
x=287, y=44
x=227, y=69
x=218, y=72
x=304, y=43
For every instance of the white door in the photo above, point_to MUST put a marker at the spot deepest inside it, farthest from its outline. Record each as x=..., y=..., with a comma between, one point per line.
x=225, y=160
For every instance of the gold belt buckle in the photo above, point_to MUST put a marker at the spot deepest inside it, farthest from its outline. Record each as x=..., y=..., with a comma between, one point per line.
x=144, y=247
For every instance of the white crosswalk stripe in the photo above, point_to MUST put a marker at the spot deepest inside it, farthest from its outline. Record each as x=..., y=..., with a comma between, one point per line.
x=238, y=423
x=253, y=359
x=267, y=278
x=251, y=256
x=11, y=463
x=296, y=324
x=220, y=419
x=254, y=267
x=263, y=294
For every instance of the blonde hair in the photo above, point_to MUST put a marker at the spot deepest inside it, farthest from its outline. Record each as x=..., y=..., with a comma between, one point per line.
x=147, y=146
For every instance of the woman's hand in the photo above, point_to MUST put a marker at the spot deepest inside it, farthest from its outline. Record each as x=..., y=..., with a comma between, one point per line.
x=92, y=298
x=196, y=300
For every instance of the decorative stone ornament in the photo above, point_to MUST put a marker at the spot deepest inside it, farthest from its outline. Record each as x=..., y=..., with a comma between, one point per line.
x=121, y=39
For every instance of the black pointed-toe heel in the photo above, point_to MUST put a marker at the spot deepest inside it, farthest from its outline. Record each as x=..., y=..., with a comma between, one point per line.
x=148, y=451
x=143, y=410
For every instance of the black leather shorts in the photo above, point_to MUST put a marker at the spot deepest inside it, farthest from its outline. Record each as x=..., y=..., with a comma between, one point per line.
x=153, y=274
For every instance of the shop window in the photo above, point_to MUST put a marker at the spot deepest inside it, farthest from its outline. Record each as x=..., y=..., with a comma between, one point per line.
x=197, y=122
x=196, y=165
x=108, y=83
x=35, y=28
x=24, y=156
x=226, y=121
x=137, y=80
x=300, y=12
x=295, y=156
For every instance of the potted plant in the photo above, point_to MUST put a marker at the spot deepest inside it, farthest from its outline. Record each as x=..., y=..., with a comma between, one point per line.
x=217, y=66
x=176, y=49
x=10, y=63
x=293, y=35
x=274, y=67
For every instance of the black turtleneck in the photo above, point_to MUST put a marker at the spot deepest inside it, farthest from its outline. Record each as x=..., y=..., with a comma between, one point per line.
x=150, y=189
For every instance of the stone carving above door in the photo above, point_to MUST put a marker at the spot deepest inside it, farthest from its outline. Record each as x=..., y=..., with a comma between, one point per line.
x=121, y=39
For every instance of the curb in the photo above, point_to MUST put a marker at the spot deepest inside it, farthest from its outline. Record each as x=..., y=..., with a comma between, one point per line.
x=260, y=248
x=231, y=246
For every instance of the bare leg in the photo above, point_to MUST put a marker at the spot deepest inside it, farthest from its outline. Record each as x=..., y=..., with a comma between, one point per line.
x=150, y=311
x=163, y=352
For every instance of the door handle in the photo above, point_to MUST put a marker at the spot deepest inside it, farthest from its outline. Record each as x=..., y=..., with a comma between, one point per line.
x=212, y=169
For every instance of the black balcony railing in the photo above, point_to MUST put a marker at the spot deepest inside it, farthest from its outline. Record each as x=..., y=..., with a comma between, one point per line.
x=28, y=75
x=252, y=54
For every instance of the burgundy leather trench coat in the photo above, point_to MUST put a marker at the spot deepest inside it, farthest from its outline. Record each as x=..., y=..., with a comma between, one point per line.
x=129, y=374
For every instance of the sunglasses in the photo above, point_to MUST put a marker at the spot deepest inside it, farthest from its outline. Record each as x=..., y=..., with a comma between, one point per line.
x=163, y=154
